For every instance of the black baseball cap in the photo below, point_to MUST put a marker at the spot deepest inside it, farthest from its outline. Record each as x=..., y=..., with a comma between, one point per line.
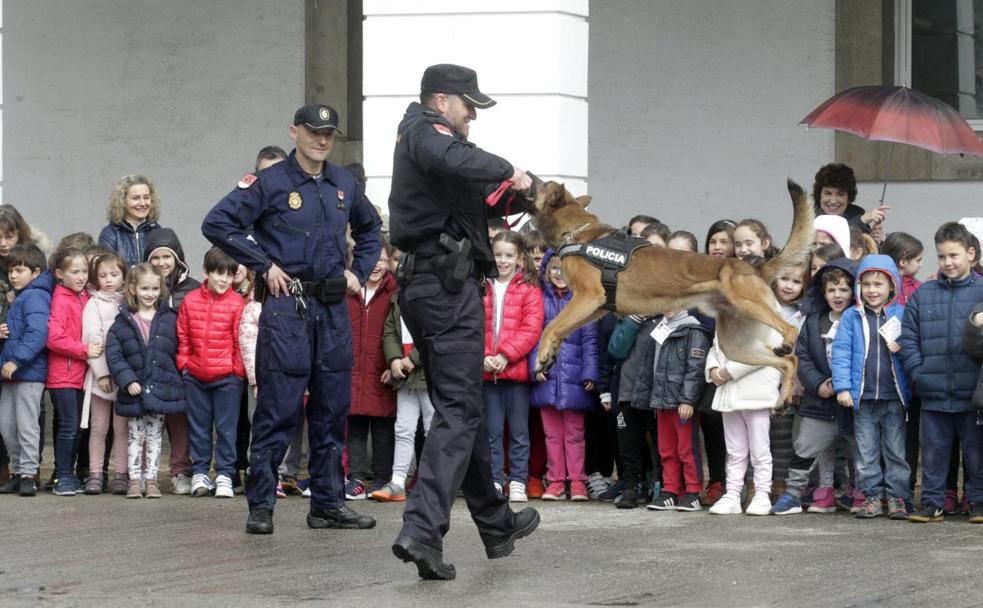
x=457, y=80
x=317, y=117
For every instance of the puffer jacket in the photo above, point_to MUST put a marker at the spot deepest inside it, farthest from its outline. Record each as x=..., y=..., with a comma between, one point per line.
x=66, y=352
x=522, y=324
x=973, y=343
x=208, y=335
x=151, y=364
x=248, y=337
x=752, y=387
x=932, y=346
x=678, y=374
x=98, y=316
x=853, y=337
x=810, y=347
x=126, y=240
x=576, y=361
x=370, y=397
x=179, y=283
x=394, y=346
x=27, y=322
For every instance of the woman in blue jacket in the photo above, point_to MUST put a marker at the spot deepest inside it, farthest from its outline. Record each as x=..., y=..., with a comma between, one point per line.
x=133, y=211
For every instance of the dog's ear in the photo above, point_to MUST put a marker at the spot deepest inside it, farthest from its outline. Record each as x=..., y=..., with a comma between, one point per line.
x=584, y=200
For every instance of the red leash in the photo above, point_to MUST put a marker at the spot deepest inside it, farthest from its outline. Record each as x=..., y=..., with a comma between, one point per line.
x=495, y=197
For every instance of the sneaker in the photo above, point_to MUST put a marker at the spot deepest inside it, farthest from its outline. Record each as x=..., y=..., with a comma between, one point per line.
x=280, y=491
x=50, y=484
x=578, y=491
x=223, y=487
x=975, y=511
x=664, y=502
x=823, y=501
x=517, y=492
x=689, y=502
x=951, y=502
x=555, y=491
x=964, y=504
x=597, y=484
x=844, y=501
x=713, y=493
x=289, y=484
x=729, y=504
x=390, y=492
x=93, y=485
x=134, y=489
x=927, y=513
x=787, y=504
x=613, y=492
x=535, y=489
x=65, y=487
x=180, y=485
x=305, y=487
x=858, y=501
x=627, y=500
x=121, y=482
x=760, y=505
x=12, y=485
x=152, y=489
x=28, y=486
x=355, y=490
x=871, y=508
x=201, y=485
x=896, y=509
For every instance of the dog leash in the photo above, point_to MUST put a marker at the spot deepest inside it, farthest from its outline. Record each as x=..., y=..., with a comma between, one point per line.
x=496, y=197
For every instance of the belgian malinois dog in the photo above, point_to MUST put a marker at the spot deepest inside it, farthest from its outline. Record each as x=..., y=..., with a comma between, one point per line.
x=749, y=327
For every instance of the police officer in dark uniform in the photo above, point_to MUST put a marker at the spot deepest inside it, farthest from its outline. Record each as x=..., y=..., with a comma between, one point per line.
x=438, y=218
x=299, y=210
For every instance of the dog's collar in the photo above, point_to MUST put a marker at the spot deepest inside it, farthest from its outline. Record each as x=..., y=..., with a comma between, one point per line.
x=570, y=235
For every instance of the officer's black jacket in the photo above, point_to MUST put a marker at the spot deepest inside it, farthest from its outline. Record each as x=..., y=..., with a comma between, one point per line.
x=440, y=181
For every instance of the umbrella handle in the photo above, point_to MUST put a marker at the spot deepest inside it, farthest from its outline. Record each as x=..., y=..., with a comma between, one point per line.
x=890, y=156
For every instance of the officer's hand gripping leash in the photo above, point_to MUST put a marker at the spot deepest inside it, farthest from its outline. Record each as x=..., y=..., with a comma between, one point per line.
x=296, y=289
x=530, y=195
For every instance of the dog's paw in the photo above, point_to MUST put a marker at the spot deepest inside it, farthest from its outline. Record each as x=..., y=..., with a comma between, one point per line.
x=783, y=351
x=545, y=362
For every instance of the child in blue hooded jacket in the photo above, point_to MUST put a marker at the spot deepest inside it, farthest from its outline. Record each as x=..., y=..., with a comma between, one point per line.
x=868, y=376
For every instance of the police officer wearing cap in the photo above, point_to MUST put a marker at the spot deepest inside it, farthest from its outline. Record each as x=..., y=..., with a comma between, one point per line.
x=438, y=219
x=299, y=210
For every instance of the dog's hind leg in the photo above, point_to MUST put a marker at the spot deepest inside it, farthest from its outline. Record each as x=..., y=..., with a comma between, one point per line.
x=747, y=341
x=750, y=296
x=579, y=311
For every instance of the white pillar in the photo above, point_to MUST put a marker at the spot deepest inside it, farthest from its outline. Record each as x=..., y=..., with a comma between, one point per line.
x=530, y=55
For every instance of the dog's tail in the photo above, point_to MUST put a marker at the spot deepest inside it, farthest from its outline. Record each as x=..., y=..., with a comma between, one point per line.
x=800, y=240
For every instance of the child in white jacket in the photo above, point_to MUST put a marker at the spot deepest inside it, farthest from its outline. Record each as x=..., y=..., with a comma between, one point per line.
x=745, y=397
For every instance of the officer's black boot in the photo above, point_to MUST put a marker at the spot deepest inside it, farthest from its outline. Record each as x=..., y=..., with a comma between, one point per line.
x=523, y=524
x=260, y=521
x=340, y=517
x=429, y=560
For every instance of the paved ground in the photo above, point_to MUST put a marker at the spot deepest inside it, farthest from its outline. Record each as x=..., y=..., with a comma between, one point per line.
x=109, y=551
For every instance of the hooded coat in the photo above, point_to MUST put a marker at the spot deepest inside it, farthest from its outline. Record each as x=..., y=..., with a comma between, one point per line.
x=370, y=397
x=67, y=354
x=27, y=322
x=98, y=316
x=837, y=228
x=126, y=240
x=851, y=347
x=180, y=283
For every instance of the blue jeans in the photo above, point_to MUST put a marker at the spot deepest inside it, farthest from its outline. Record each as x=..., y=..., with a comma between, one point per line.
x=213, y=404
x=880, y=433
x=938, y=431
x=68, y=410
x=504, y=399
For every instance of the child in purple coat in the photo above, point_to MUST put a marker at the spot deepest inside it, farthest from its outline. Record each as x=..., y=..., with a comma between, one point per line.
x=565, y=393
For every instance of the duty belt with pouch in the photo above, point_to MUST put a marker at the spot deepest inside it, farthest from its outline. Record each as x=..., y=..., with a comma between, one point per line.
x=326, y=291
x=452, y=268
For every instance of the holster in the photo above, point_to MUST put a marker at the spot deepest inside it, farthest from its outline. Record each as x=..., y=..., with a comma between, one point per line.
x=452, y=268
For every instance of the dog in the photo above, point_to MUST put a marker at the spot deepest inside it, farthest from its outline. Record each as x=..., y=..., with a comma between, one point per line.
x=750, y=329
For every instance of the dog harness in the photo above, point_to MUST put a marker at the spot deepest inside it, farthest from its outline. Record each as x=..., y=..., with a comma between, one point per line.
x=611, y=254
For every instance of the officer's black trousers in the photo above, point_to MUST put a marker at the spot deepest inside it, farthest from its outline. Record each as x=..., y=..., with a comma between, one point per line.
x=448, y=330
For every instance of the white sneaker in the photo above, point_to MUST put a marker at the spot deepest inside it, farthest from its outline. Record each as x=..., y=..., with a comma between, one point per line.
x=729, y=504
x=180, y=484
x=223, y=487
x=517, y=492
x=201, y=485
x=760, y=504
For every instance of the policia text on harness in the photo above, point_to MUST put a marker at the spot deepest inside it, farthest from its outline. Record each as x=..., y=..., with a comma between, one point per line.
x=611, y=254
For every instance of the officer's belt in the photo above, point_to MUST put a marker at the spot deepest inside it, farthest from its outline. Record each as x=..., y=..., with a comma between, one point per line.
x=326, y=291
x=611, y=254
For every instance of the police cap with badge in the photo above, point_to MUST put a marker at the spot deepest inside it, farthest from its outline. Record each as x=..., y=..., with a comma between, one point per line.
x=317, y=117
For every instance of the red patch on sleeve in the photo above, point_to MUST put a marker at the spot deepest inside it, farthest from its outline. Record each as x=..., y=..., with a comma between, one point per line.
x=247, y=180
x=443, y=129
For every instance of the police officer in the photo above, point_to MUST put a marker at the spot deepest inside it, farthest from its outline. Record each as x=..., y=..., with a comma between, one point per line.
x=438, y=218
x=299, y=210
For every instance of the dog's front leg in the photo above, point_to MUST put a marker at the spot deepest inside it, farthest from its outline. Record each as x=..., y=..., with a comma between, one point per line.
x=580, y=311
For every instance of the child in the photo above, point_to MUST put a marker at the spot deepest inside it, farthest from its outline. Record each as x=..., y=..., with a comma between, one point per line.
x=67, y=356
x=671, y=381
x=822, y=254
x=537, y=247
x=513, y=323
x=868, y=376
x=23, y=365
x=373, y=404
x=720, y=239
x=655, y=233
x=943, y=373
x=140, y=353
x=564, y=394
x=820, y=420
x=108, y=272
x=907, y=252
x=208, y=354
x=683, y=241
x=751, y=238
x=832, y=229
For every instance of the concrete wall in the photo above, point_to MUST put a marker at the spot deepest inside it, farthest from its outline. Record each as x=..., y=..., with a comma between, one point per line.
x=183, y=91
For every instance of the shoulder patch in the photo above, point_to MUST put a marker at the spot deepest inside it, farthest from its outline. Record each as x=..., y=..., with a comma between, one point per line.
x=698, y=353
x=247, y=180
x=439, y=128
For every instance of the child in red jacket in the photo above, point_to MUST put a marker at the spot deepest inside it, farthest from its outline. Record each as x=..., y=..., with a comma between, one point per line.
x=513, y=324
x=208, y=356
